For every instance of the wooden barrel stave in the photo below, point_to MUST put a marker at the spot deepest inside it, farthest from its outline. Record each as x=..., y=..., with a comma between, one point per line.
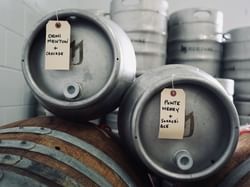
x=87, y=134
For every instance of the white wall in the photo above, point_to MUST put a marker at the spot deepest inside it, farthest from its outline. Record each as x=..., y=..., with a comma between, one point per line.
x=16, y=19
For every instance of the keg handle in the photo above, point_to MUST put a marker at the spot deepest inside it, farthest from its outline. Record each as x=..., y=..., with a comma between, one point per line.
x=202, y=14
x=131, y=2
x=227, y=37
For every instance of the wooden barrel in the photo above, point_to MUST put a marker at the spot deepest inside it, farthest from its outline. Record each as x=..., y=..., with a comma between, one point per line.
x=47, y=151
x=236, y=173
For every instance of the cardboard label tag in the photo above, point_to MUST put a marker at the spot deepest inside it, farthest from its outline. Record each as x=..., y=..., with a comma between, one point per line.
x=57, y=45
x=172, y=114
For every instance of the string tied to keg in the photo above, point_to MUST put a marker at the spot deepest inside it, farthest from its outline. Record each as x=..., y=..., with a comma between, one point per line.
x=58, y=24
x=173, y=92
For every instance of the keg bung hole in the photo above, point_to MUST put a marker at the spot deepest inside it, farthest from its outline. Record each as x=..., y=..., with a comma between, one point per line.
x=57, y=148
x=184, y=160
x=71, y=89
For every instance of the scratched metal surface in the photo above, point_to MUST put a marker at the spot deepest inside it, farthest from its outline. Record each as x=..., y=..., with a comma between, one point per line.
x=102, y=67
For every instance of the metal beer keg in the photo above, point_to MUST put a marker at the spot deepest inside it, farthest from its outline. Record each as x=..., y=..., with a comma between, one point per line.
x=102, y=67
x=195, y=37
x=211, y=123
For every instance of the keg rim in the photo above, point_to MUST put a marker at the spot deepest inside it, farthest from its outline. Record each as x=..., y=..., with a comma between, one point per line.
x=117, y=7
x=173, y=21
x=143, y=154
x=83, y=14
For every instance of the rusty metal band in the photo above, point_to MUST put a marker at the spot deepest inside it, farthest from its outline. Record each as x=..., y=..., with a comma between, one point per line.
x=57, y=155
x=38, y=168
x=77, y=142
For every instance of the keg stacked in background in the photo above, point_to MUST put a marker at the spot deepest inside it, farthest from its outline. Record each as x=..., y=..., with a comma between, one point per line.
x=102, y=69
x=145, y=22
x=236, y=66
x=195, y=37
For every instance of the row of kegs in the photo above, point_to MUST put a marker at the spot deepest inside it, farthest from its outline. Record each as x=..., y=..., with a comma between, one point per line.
x=236, y=66
x=123, y=66
x=194, y=37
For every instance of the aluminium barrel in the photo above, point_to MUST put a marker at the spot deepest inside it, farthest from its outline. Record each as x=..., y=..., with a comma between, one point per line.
x=145, y=22
x=211, y=123
x=195, y=38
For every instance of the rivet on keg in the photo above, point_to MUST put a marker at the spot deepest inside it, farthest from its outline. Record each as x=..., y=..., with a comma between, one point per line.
x=7, y=157
x=23, y=142
x=184, y=160
x=71, y=90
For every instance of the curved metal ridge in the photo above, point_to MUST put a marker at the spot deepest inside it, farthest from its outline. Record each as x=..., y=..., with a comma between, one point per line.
x=57, y=155
x=38, y=168
x=77, y=142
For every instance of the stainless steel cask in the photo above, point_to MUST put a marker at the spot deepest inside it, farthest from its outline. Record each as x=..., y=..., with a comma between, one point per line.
x=102, y=67
x=211, y=123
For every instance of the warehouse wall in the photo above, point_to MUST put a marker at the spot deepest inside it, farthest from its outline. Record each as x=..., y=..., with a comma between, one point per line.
x=16, y=19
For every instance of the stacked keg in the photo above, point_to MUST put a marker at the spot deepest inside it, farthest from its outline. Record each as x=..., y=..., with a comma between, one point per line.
x=89, y=89
x=145, y=22
x=194, y=38
x=236, y=66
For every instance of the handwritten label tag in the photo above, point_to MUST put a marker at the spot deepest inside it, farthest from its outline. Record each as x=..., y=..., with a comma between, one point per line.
x=57, y=45
x=172, y=114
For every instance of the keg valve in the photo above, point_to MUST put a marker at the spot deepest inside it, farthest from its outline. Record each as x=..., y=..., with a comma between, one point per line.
x=71, y=90
x=184, y=160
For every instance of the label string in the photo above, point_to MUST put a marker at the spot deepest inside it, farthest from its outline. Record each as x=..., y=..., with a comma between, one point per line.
x=173, y=75
x=57, y=15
